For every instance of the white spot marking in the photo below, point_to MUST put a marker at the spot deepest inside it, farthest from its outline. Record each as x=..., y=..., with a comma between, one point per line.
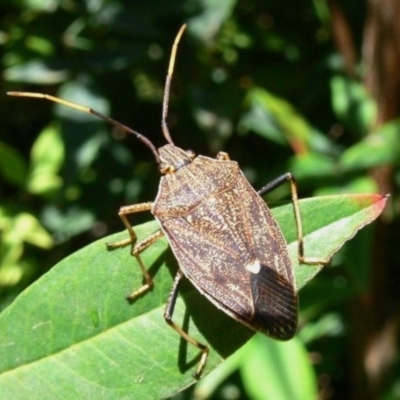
x=254, y=267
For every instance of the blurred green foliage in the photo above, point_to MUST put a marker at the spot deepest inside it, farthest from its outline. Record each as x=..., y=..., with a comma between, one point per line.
x=261, y=80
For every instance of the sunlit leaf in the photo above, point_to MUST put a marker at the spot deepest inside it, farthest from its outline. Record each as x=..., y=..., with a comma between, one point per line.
x=290, y=374
x=72, y=333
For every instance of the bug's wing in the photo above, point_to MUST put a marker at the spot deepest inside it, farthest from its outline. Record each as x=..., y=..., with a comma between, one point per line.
x=273, y=287
x=275, y=304
x=233, y=252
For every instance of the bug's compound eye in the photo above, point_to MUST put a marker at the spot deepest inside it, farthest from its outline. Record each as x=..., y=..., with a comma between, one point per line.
x=191, y=154
x=166, y=168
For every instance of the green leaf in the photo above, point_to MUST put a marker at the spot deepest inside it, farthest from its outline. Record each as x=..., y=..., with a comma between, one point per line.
x=36, y=72
x=27, y=228
x=73, y=335
x=276, y=119
x=285, y=365
x=352, y=104
x=312, y=165
x=40, y=5
x=328, y=222
x=12, y=165
x=213, y=14
x=47, y=156
x=378, y=148
x=206, y=386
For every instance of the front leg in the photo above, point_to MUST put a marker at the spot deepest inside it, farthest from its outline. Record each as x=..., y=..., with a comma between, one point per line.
x=136, y=250
x=138, y=247
x=122, y=213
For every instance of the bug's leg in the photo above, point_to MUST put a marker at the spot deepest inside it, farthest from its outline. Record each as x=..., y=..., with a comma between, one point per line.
x=293, y=188
x=122, y=213
x=169, y=310
x=139, y=247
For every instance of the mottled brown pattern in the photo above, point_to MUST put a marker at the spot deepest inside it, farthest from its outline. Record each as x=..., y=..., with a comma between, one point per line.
x=216, y=224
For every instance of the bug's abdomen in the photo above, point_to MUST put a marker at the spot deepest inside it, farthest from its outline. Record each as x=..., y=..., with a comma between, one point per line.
x=232, y=250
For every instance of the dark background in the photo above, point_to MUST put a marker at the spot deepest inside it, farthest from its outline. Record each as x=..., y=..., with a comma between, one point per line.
x=308, y=87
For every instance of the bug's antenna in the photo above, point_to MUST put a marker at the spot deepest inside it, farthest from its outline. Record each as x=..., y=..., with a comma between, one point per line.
x=167, y=88
x=88, y=110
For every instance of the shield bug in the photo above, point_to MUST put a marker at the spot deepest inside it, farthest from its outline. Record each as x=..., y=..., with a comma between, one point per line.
x=224, y=237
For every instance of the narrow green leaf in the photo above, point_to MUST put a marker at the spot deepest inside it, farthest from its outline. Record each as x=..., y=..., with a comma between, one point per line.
x=276, y=119
x=73, y=335
x=378, y=148
x=278, y=371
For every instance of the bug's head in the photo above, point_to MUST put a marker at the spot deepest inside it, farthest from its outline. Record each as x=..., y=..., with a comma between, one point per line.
x=172, y=158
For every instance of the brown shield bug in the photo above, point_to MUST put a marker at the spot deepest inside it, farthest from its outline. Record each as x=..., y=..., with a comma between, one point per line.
x=222, y=233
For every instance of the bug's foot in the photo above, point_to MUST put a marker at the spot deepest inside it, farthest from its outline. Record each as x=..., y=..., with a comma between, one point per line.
x=202, y=363
x=137, y=293
x=314, y=261
x=120, y=243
